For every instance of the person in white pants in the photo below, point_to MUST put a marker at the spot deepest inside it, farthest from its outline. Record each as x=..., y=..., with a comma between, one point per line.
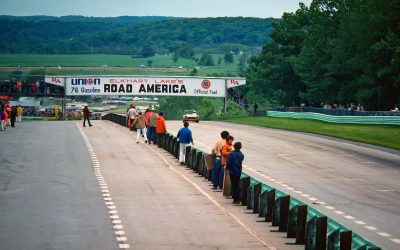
x=140, y=125
x=185, y=138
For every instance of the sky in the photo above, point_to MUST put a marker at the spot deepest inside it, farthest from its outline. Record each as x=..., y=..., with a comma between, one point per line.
x=176, y=8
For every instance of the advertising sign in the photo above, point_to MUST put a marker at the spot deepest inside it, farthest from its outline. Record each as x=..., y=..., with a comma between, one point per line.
x=231, y=83
x=59, y=81
x=154, y=86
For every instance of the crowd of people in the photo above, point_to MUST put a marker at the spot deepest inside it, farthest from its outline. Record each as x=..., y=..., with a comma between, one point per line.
x=150, y=125
x=228, y=156
x=9, y=115
x=25, y=87
x=228, y=161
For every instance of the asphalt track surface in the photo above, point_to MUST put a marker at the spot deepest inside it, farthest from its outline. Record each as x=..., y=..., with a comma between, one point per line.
x=67, y=187
x=49, y=196
x=357, y=185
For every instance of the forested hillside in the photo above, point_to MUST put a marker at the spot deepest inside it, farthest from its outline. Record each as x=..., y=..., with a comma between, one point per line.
x=335, y=51
x=128, y=35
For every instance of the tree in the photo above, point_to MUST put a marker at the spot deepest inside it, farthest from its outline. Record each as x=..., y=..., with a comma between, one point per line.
x=147, y=51
x=206, y=60
x=149, y=63
x=175, y=57
x=228, y=58
x=242, y=63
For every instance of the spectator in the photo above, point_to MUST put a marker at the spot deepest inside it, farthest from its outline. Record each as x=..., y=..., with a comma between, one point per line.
x=33, y=87
x=160, y=127
x=255, y=107
x=2, y=120
x=185, y=138
x=396, y=109
x=13, y=116
x=218, y=171
x=86, y=115
x=140, y=125
x=226, y=149
x=152, y=127
x=234, y=165
x=131, y=114
x=19, y=113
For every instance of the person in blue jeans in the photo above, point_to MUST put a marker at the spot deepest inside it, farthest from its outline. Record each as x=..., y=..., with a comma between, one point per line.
x=234, y=165
x=218, y=171
x=185, y=138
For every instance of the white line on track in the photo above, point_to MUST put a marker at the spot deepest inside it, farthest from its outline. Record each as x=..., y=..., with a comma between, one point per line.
x=115, y=220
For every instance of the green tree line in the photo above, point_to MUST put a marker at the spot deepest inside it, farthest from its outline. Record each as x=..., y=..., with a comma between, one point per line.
x=77, y=35
x=334, y=51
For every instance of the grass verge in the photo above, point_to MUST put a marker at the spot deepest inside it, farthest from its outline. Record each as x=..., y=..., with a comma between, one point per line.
x=381, y=135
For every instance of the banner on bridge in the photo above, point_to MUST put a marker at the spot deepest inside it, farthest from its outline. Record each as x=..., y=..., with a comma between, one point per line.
x=154, y=86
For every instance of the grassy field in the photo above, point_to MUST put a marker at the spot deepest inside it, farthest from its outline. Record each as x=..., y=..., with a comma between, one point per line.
x=381, y=135
x=109, y=65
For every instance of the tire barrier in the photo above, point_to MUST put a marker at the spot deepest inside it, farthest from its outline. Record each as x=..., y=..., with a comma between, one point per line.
x=307, y=225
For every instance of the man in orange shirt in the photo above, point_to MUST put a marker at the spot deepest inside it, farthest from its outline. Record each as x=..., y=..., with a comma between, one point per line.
x=160, y=128
x=226, y=150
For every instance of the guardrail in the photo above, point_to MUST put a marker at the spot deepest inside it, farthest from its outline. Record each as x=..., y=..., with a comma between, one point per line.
x=307, y=225
x=386, y=120
x=337, y=112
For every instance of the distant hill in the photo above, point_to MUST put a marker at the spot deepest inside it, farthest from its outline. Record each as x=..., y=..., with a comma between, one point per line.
x=131, y=35
x=111, y=20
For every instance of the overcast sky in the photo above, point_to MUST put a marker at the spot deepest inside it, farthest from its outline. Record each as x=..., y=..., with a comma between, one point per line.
x=177, y=8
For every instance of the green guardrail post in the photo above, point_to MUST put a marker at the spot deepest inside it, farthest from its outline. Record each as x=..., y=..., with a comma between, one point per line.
x=316, y=230
x=281, y=213
x=256, y=198
x=188, y=160
x=244, y=184
x=263, y=204
x=250, y=197
x=297, y=223
x=340, y=240
x=199, y=157
x=270, y=205
x=193, y=158
x=177, y=149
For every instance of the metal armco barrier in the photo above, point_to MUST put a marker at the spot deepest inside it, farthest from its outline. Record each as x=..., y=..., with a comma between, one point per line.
x=316, y=230
x=297, y=223
x=199, y=156
x=244, y=185
x=339, y=240
x=281, y=213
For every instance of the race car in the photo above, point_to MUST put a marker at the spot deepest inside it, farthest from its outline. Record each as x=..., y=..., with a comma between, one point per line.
x=191, y=115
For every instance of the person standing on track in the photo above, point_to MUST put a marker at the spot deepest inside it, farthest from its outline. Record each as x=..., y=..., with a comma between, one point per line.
x=140, y=125
x=19, y=113
x=218, y=171
x=152, y=127
x=86, y=115
x=234, y=165
x=131, y=113
x=226, y=150
x=185, y=138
